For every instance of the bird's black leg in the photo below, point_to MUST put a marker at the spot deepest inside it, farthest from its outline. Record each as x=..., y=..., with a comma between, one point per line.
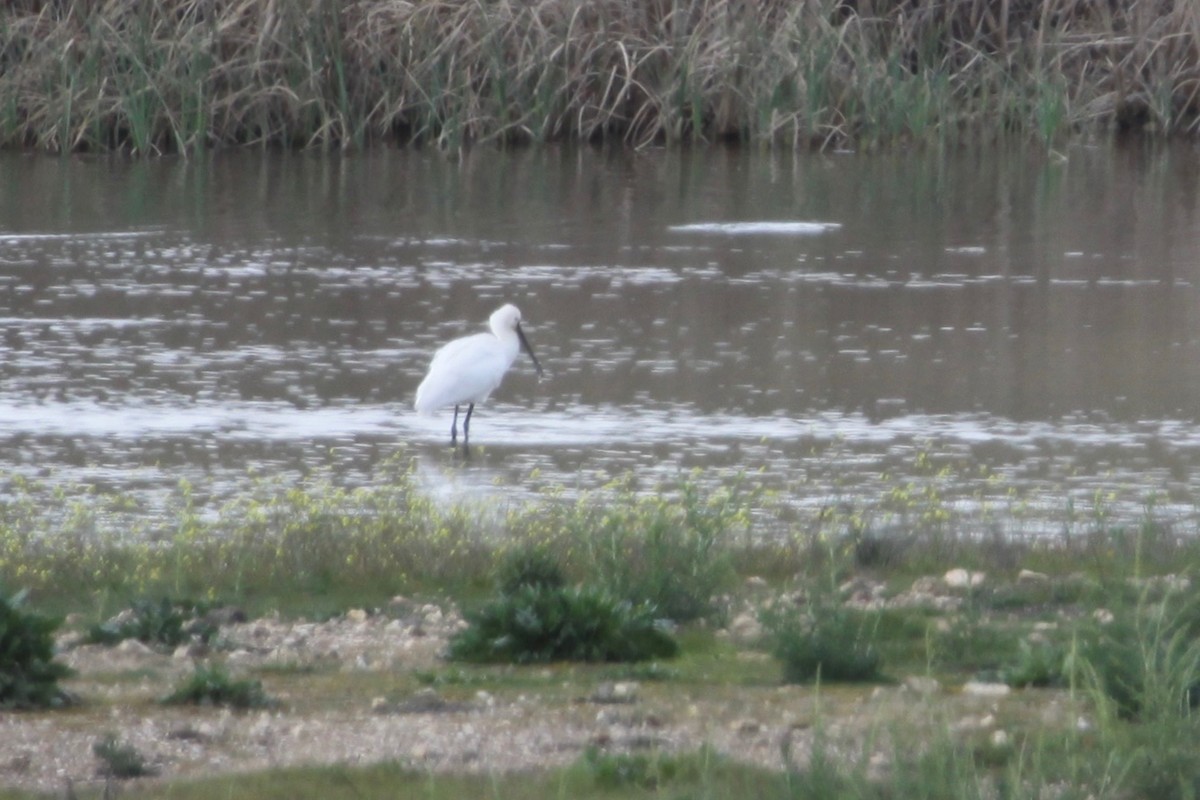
x=454, y=429
x=466, y=426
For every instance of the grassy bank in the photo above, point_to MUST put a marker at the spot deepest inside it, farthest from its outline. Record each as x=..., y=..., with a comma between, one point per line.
x=279, y=541
x=1109, y=642
x=149, y=77
x=318, y=542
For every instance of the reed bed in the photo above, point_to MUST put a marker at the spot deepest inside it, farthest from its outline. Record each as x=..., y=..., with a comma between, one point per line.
x=154, y=76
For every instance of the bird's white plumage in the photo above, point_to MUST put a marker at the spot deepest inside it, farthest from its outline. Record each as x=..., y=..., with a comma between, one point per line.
x=466, y=370
x=469, y=369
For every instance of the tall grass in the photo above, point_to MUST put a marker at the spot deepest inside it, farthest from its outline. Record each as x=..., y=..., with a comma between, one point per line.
x=174, y=75
x=318, y=538
x=681, y=546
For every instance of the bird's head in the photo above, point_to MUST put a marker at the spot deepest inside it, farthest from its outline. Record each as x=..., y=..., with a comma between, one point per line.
x=507, y=319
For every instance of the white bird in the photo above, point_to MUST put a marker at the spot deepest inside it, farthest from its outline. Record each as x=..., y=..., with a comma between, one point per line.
x=469, y=369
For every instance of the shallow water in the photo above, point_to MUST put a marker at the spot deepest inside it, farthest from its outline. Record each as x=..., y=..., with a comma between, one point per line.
x=837, y=325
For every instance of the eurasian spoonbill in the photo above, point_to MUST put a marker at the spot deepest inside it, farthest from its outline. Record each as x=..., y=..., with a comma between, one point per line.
x=469, y=369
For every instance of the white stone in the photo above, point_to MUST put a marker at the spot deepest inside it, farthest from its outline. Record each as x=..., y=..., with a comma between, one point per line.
x=959, y=578
x=982, y=689
x=922, y=684
x=239, y=656
x=625, y=690
x=924, y=585
x=745, y=626
x=134, y=648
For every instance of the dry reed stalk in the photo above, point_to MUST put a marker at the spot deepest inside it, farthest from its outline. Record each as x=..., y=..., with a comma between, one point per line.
x=179, y=74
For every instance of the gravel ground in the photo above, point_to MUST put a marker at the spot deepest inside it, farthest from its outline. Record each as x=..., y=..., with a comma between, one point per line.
x=364, y=656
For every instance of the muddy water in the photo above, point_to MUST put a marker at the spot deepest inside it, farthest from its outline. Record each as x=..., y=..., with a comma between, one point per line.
x=1005, y=324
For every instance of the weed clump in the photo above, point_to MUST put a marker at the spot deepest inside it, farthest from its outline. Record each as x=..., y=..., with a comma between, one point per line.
x=673, y=554
x=164, y=622
x=538, y=625
x=120, y=760
x=630, y=771
x=1145, y=662
x=823, y=641
x=29, y=674
x=1038, y=664
x=529, y=566
x=212, y=686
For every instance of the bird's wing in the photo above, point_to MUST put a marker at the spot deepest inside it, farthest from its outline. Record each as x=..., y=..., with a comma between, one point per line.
x=454, y=350
x=465, y=370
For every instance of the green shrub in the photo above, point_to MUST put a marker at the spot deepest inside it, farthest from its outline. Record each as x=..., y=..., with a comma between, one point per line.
x=120, y=760
x=1039, y=664
x=529, y=566
x=212, y=686
x=823, y=641
x=539, y=624
x=164, y=622
x=645, y=771
x=28, y=673
x=970, y=641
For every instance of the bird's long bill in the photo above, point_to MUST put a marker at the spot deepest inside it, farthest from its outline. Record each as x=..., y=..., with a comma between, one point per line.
x=528, y=349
